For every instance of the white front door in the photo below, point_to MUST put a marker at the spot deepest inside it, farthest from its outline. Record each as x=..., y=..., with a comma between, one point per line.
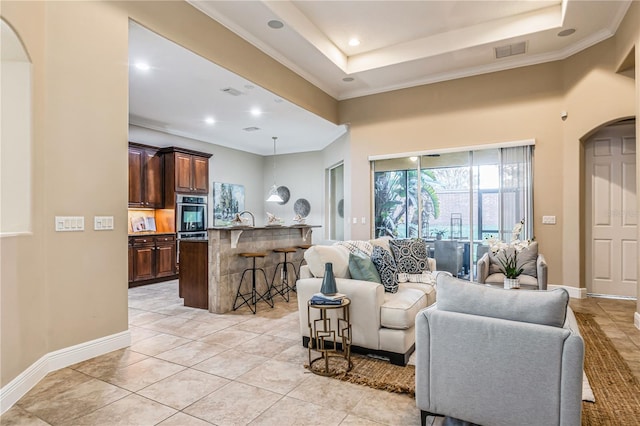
x=611, y=211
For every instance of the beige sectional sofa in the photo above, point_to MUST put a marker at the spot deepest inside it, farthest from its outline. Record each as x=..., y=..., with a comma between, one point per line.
x=382, y=322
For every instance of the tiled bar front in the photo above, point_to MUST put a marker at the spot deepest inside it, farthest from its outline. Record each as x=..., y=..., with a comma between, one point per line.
x=226, y=267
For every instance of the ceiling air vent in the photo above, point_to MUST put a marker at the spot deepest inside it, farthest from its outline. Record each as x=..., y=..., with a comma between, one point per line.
x=511, y=50
x=231, y=91
x=251, y=129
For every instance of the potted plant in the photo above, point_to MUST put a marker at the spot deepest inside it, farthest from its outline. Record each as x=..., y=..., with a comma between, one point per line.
x=507, y=255
x=439, y=233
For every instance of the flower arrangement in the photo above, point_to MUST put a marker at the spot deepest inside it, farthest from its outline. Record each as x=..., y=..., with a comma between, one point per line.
x=509, y=262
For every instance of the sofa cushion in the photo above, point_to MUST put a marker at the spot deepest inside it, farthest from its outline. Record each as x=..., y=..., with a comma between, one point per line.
x=410, y=255
x=526, y=260
x=386, y=266
x=317, y=255
x=532, y=306
x=399, y=310
x=428, y=289
x=362, y=268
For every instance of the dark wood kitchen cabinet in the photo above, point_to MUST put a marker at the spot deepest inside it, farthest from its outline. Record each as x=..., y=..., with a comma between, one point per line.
x=152, y=258
x=185, y=172
x=145, y=177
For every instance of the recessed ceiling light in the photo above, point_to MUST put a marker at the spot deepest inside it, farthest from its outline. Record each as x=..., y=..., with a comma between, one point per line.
x=256, y=112
x=566, y=32
x=142, y=66
x=348, y=79
x=275, y=24
x=354, y=42
x=209, y=120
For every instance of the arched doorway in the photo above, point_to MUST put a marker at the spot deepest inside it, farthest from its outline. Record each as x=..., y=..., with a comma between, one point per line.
x=610, y=211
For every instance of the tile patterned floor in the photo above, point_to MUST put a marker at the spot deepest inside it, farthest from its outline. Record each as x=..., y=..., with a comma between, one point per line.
x=187, y=367
x=190, y=367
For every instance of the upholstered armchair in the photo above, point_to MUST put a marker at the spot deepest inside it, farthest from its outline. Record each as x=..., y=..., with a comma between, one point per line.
x=448, y=255
x=534, y=275
x=492, y=356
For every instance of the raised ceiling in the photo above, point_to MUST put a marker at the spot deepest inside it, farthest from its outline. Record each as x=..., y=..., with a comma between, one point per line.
x=402, y=44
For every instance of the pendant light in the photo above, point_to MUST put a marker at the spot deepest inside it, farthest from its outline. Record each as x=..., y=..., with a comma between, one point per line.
x=273, y=195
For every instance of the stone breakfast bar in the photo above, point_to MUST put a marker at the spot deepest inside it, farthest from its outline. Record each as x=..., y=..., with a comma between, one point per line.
x=210, y=270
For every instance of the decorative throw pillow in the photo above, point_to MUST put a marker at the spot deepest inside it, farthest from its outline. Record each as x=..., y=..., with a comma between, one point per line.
x=355, y=246
x=386, y=267
x=527, y=259
x=362, y=268
x=317, y=255
x=410, y=255
x=382, y=242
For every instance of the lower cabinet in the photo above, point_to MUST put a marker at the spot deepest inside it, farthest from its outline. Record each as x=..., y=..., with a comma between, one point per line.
x=152, y=258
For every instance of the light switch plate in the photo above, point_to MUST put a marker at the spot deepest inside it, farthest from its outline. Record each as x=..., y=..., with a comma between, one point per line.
x=103, y=223
x=69, y=223
x=549, y=220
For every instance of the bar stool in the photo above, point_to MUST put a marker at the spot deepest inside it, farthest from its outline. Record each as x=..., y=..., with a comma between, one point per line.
x=303, y=247
x=285, y=288
x=252, y=298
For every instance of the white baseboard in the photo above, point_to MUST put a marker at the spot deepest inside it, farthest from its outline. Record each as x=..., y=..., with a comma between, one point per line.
x=636, y=319
x=18, y=387
x=574, y=292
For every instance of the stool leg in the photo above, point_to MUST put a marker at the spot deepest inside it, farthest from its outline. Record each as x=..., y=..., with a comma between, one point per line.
x=239, y=294
x=285, y=287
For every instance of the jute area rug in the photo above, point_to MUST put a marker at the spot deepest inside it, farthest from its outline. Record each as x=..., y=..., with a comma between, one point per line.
x=616, y=390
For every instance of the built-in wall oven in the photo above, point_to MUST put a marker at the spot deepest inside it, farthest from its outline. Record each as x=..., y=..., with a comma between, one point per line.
x=191, y=218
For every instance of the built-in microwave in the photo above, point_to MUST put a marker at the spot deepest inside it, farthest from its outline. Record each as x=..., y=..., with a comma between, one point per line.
x=191, y=214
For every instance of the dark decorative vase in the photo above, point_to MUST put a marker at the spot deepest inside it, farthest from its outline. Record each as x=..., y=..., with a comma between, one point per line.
x=329, y=281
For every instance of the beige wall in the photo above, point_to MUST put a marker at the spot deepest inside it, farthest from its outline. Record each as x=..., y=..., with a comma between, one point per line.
x=501, y=107
x=63, y=289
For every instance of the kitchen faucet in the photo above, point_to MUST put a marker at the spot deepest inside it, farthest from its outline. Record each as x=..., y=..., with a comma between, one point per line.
x=253, y=218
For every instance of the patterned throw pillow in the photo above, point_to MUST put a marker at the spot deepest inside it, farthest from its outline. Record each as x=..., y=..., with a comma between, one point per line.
x=357, y=246
x=386, y=266
x=410, y=255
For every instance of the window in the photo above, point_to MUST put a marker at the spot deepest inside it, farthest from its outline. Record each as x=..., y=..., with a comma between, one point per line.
x=464, y=196
x=336, y=202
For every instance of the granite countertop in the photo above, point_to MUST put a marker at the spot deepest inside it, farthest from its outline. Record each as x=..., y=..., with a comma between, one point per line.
x=150, y=233
x=244, y=228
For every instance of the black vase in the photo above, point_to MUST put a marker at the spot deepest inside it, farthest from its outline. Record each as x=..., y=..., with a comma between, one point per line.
x=329, y=281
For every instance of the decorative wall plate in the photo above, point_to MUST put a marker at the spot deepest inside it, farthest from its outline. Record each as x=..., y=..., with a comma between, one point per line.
x=302, y=207
x=283, y=192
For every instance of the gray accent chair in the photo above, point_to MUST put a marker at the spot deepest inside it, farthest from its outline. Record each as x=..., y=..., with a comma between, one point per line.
x=491, y=356
x=534, y=276
x=448, y=255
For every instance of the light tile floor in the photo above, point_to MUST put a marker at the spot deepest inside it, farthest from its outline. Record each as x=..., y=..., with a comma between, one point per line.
x=188, y=367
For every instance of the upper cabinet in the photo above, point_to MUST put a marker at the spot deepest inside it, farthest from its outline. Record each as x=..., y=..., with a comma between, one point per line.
x=185, y=172
x=145, y=177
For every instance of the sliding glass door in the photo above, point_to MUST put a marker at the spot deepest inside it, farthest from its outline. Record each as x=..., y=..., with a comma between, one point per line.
x=461, y=199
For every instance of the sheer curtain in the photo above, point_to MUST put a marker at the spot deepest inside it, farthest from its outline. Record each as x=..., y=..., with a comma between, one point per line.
x=516, y=190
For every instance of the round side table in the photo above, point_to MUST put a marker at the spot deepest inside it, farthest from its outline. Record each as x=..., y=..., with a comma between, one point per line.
x=331, y=339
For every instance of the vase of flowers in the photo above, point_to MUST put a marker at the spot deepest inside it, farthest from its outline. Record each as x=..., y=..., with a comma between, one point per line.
x=507, y=255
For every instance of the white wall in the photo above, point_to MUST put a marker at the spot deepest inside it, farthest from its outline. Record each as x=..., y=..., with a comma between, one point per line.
x=15, y=151
x=302, y=173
